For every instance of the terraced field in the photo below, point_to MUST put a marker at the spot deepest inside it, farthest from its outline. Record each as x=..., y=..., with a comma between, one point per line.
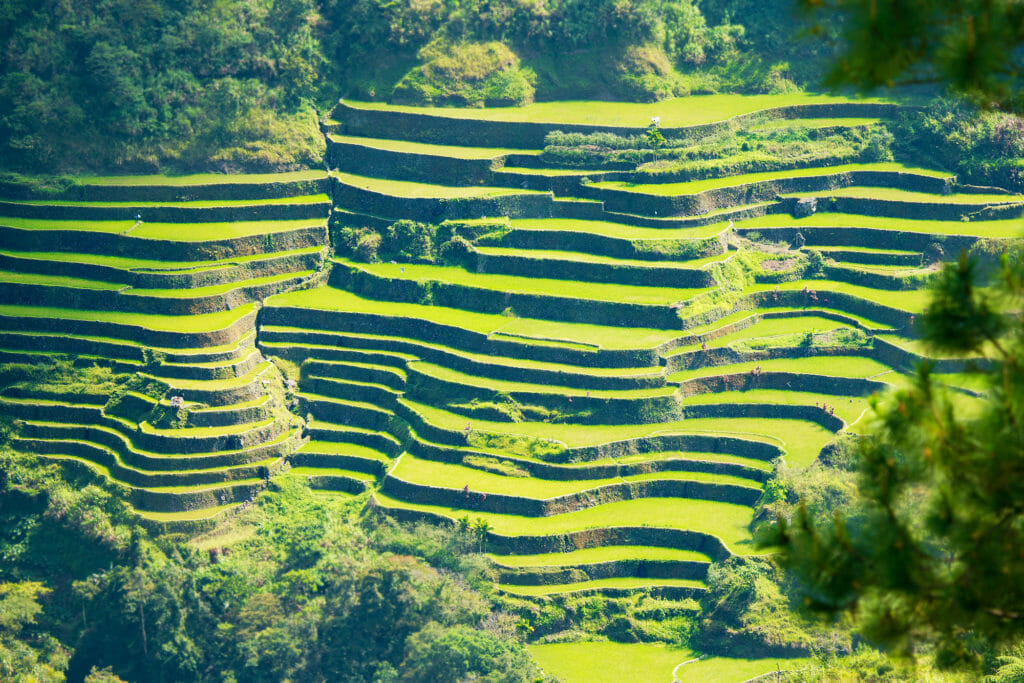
x=160, y=277
x=602, y=382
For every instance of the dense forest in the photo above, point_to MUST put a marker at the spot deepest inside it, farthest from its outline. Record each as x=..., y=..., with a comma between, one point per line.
x=228, y=85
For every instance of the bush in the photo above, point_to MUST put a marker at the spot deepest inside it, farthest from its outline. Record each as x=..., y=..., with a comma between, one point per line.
x=408, y=242
x=983, y=148
x=457, y=252
x=466, y=74
x=646, y=74
x=367, y=246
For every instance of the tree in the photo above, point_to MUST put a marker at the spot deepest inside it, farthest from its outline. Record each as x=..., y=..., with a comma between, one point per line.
x=26, y=656
x=460, y=653
x=481, y=527
x=933, y=552
x=971, y=46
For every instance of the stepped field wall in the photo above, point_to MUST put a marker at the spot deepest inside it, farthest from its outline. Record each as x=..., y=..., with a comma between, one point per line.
x=781, y=381
x=565, y=269
x=526, y=135
x=774, y=411
x=898, y=357
x=411, y=166
x=658, y=569
x=14, y=293
x=842, y=301
x=153, y=462
x=708, y=544
x=761, y=191
x=346, y=462
x=865, y=278
x=169, y=214
x=937, y=210
x=447, y=335
x=436, y=209
x=698, y=443
x=543, y=306
x=88, y=242
x=498, y=503
x=547, y=470
x=114, y=462
x=576, y=410
x=86, y=192
x=878, y=238
x=653, y=249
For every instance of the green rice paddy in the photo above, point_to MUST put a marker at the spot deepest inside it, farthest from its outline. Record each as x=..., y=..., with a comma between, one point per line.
x=456, y=477
x=365, y=346
x=598, y=584
x=583, y=257
x=997, y=229
x=829, y=366
x=13, y=278
x=411, y=190
x=202, y=178
x=695, y=186
x=174, y=232
x=683, y=111
x=597, y=291
x=898, y=195
x=727, y=521
x=618, y=230
x=197, y=204
x=404, y=146
x=164, y=323
x=608, y=553
x=329, y=299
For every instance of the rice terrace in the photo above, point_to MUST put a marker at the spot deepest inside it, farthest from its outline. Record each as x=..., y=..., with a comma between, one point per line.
x=502, y=370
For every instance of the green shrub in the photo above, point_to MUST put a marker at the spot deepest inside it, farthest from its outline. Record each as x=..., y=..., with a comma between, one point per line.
x=645, y=74
x=408, y=242
x=367, y=246
x=466, y=74
x=983, y=148
x=457, y=252
x=815, y=263
x=746, y=612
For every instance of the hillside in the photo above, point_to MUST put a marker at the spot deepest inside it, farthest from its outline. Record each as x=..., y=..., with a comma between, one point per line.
x=236, y=86
x=592, y=348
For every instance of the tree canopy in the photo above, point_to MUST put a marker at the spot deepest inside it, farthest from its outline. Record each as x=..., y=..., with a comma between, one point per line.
x=971, y=46
x=931, y=553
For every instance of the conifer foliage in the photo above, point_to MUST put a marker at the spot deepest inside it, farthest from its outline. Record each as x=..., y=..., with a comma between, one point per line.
x=933, y=552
